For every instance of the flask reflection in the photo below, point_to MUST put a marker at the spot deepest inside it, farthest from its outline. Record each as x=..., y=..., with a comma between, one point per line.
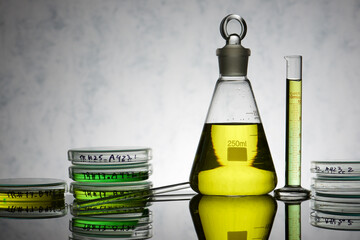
x=222, y=217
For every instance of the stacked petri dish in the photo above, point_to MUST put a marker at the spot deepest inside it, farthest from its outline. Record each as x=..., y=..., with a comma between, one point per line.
x=105, y=181
x=32, y=198
x=335, y=194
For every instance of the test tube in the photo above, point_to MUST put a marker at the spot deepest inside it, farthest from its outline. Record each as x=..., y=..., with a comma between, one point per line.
x=292, y=189
x=293, y=121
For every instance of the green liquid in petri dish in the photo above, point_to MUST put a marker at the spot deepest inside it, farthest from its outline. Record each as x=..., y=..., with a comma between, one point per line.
x=22, y=195
x=85, y=195
x=135, y=208
x=101, y=225
x=111, y=177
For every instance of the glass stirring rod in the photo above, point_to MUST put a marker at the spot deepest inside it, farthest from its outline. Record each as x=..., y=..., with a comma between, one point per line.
x=134, y=195
x=292, y=189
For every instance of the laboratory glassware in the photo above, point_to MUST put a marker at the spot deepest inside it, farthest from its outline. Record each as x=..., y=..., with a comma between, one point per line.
x=233, y=156
x=292, y=189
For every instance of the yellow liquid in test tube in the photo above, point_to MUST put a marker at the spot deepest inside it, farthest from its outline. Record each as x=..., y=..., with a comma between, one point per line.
x=293, y=131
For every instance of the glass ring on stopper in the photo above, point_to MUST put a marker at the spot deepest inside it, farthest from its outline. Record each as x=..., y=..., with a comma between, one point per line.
x=226, y=20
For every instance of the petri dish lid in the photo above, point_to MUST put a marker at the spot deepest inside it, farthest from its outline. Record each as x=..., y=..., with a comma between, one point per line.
x=339, y=198
x=345, y=208
x=109, y=155
x=110, y=173
x=344, y=169
x=336, y=186
x=31, y=189
x=334, y=221
x=31, y=182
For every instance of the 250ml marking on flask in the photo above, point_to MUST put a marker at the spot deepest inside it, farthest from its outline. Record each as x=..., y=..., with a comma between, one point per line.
x=236, y=143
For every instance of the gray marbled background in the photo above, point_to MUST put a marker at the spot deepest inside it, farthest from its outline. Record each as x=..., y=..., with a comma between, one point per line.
x=100, y=73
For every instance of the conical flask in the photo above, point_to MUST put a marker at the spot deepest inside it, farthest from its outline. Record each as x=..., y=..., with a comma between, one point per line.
x=233, y=156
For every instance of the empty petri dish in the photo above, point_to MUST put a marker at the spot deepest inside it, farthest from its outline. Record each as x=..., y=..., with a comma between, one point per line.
x=345, y=208
x=109, y=155
x=334, y=221
x=336, y=186
x=31, y=189
x=90, y=191
x=115, y=226
x=336, y=168
x=338, y=198
x=113, y=173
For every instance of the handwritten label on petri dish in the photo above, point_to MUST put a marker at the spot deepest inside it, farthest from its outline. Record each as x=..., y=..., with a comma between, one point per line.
x=111, y=158
x=87, y=194
x=35, y=209
x=32, y=195
x=105, y=227
x=334, y=221
x=134, y=176
x=100, y=194
x=334, y=170
x=136, y=207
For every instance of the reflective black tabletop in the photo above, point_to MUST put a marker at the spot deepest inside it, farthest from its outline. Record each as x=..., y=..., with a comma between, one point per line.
x=197, y=217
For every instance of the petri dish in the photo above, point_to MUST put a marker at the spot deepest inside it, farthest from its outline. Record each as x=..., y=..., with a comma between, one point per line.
x=143, y=233
x=31, y=189
x=33, y=209
x=334, y=221
x=339, y=169
x=344, y=208
x=110, y=155
x=137, y=209
x=336, y=186
x=113, y=173
x=91, y=191
x=339, y=198
x=116, y=226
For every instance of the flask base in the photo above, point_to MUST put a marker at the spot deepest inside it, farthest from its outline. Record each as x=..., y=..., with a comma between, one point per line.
x=291, y=193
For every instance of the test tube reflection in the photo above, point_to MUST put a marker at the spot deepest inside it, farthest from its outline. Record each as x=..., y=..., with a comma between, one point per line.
x=220, y=217
x=293, y=221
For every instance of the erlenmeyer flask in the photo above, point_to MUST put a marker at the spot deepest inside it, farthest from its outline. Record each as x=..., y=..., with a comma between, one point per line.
x=233, y=157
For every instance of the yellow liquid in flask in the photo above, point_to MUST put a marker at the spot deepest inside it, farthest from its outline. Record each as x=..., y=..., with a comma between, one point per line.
x=233, y=159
